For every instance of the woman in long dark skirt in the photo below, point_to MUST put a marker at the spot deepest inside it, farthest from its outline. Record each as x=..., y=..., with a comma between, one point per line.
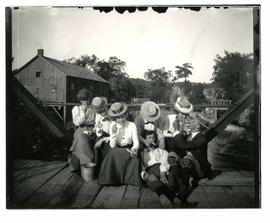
x=121, y=165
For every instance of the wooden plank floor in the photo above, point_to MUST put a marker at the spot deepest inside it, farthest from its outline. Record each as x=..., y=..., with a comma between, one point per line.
x=41, y=184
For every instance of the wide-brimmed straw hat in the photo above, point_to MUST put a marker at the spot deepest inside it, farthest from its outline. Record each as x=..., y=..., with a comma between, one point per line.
x=184, y=107
x=150, y=111
x=99, y=104
x=117, y=109
x=202, y=121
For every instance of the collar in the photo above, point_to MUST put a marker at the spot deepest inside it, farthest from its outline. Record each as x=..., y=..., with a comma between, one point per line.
x=193, y=134
x=146, y=122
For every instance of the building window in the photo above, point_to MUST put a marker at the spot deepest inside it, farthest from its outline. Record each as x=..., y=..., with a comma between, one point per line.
x=72, y=86
x=38, y=73
x=53, y=88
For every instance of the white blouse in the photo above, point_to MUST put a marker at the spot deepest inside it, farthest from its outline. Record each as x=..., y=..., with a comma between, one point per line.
x=168, y=132
x=125, y=135
x=79, y=116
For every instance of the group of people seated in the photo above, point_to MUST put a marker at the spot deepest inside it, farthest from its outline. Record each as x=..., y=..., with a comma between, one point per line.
x=169, y=156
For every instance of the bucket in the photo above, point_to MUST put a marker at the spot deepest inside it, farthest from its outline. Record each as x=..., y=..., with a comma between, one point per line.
x=88, y=173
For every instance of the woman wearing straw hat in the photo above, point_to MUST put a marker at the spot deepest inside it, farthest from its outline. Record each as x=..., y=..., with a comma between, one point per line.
x=148, y=120
x=121, y=165
x=82, y=153
x=102, y=124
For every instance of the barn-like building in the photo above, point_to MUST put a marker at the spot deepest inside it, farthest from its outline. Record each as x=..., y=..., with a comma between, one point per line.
x=56, y=83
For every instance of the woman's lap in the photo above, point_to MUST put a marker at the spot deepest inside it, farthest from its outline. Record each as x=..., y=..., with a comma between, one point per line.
x=118, y=167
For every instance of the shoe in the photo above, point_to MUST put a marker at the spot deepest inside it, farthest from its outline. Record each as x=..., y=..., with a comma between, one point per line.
x=183, y=193
x=186, y=204
x=177, y=203
x=165, y=202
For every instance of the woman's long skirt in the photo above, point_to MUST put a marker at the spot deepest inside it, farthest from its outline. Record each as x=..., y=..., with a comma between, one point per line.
x=119, y=167
x=82, y=149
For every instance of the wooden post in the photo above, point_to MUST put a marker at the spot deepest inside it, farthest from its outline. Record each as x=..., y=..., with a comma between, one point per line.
x=65, y=113
x=215, y=113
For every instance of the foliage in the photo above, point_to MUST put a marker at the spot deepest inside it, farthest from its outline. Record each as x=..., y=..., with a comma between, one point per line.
x=196, y=96
x=183, y=71
x=113, y=71
x=160, y=84
x=159, y=77
x=122, y=89
x=234, y=74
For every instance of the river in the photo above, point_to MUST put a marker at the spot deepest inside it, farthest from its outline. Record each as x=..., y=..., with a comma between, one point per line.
x=232, y=149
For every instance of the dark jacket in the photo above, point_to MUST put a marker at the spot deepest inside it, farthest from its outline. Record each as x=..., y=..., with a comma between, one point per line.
x=198, y=147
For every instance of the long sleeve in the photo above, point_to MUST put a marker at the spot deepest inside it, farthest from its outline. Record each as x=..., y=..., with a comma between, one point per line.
x=161, y=139
x=193, y=145
x=164, y=165
x=78, y=116
x=113, y=136
x=135, y=139
x=139, y=124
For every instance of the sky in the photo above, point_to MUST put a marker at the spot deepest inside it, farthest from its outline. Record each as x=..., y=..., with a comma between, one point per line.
x=144, y=40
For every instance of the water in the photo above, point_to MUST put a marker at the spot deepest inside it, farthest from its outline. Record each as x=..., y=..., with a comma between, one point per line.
x=232, y=149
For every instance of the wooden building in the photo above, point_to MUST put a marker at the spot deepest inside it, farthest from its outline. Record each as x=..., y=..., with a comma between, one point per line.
x=56, y=83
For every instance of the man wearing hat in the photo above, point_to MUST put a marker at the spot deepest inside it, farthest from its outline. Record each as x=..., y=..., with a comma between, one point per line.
x=149, y=120
x=102, y=123
x=182, y=109
x=195, y=162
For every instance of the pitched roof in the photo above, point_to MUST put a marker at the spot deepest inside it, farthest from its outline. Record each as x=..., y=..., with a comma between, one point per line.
x=68, y=69
x=75, y=70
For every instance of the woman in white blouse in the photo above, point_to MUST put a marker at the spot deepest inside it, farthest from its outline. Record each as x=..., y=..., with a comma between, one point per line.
x=83, y=116
x=121, y=165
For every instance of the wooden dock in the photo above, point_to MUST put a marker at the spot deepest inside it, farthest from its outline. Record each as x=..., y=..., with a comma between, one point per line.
x=38, y=184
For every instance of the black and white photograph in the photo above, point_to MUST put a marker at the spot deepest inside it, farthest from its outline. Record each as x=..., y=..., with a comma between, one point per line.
x=133, y=107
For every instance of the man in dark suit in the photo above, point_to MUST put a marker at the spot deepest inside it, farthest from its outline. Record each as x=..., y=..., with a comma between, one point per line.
x=191, y=140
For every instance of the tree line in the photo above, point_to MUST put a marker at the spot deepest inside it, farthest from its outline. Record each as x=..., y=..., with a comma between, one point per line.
x=233, y=76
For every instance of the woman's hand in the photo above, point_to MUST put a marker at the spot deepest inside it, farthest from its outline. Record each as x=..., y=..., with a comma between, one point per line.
x=114, y=129
x=163, y=178
x=134, y=151
x=150, y=177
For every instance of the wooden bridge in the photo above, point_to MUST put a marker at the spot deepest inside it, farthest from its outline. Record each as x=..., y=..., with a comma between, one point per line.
x=42, y=184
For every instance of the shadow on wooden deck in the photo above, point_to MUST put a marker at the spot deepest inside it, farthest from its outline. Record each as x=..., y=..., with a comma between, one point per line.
x=50, y=185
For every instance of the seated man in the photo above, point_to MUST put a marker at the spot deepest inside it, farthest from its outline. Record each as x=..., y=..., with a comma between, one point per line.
x=194, y=143
x=163, y=178
x=182, y=109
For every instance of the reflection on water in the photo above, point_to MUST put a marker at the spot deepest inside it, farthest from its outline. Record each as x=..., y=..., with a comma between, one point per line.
x=232, y=149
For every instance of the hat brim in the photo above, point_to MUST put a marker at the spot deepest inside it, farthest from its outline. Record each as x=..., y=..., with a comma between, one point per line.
x=148, y=118
x=100, y=109
x=183, y=110
x=112, y=115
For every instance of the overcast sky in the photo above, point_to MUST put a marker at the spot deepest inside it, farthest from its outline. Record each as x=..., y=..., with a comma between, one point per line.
x=144, y=40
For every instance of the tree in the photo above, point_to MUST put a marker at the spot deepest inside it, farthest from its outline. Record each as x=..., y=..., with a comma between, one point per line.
x=122, y=89
x=233, y=74
x=160, y=80
x=84, y=61
x=196, y=96
x=158, y=76
x=183, y=72
x=113, y=71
